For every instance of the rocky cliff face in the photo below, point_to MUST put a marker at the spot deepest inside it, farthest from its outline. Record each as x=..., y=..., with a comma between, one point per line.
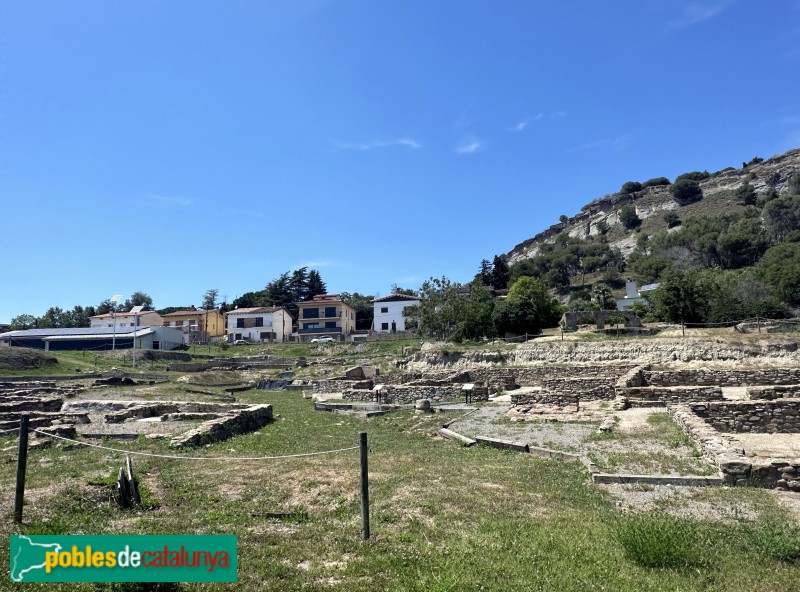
x=654, y=201
x=655, y=351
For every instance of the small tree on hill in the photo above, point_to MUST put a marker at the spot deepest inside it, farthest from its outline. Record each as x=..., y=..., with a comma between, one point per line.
x=746, y=193
x=628, y=217
x=631, y=187
x=686, y=191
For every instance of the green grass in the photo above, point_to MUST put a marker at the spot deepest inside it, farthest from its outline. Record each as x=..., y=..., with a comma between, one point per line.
x=662, y=449
x=443, y=517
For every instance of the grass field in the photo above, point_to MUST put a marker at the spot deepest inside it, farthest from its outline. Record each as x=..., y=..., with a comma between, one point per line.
x=443, y=517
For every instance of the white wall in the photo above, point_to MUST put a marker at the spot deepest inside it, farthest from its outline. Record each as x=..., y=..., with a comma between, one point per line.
x=395, y=313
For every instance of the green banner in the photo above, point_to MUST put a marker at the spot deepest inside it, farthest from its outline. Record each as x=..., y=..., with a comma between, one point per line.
x=123, y=558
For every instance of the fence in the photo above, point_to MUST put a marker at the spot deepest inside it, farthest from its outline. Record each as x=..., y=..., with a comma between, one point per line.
x=22, y=461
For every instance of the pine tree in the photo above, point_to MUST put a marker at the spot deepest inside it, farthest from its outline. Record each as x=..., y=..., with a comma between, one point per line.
x=500, y=273
x=315, y=285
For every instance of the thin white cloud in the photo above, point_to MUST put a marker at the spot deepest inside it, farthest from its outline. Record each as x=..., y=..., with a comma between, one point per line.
x=468, y=145
x=313, y=264
x=167, y=200
x=617, y=144
x=695, y=13
x=519, y=127
x=407, y=142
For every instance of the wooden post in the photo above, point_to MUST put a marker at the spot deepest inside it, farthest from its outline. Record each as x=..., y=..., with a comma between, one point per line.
x=758, y=322
x=22, y=462
x=362, y=441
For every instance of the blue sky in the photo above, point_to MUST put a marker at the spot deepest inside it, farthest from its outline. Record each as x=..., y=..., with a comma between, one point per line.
x=176, y=146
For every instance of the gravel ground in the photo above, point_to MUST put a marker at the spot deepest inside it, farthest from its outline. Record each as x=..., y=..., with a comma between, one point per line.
x=491, y=421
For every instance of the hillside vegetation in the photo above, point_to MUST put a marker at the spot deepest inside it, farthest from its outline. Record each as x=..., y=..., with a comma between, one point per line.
x=724, y=245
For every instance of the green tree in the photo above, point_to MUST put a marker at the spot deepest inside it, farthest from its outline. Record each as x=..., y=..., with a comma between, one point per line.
x=686, y=191
x=746, y=194
x=485, y=273
x=781, y=268
x=365, y=312
x=628, y=217
x=656, y=182
x=210, y=299
x=602, y=227
x=672, y=219
x=138, y=299
x=24, y=321
x=527, y=309
x=682, y=297
x=500, y=273
x=315, y=285
x=563, y=218
x=631, y=187
x=603, y=298
x=782, y=216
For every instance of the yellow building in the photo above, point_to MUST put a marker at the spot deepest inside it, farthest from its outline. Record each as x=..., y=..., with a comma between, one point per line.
x=198, y=324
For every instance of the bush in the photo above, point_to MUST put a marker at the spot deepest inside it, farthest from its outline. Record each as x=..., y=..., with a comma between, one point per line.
x=628, y=217
x=602, y=227
x=755, y=160
x=631, y=187
x=746, y=194
x=672, y=219
x=661, y=540
x=686, y=191
x=657, y=181
x=696, y=175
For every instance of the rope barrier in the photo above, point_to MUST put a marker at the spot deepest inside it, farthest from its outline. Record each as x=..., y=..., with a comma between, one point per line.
x=7, y=431
x=178, y=457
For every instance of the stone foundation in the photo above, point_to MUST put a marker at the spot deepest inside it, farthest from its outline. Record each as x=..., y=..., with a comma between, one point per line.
x=681, y=394
x=768, y=376
x=390, y=393
x=235, y=423
x=762, y=417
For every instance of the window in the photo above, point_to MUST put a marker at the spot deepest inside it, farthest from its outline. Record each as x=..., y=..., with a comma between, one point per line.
x=330, y=324
x=240, y=323
x=259, y=321
x=310, y=313
x=384, y=309
x=330, y=311
x=384, y=326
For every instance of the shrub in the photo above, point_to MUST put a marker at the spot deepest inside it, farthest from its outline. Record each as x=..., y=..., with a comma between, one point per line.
x=755, y=160
x=602, y=227
x=655, y=182
x=672, y=219
x=686, y=191
x=746, y=194
x=628, y=217
x=773, y=179
x=631, y=187
x=695, y=176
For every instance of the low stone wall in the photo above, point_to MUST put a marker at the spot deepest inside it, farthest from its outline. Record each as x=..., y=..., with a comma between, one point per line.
x=546, y=398
x=398, y=394
x=589, y=389
x=235, y=423
x=728, y=454
x=767, y=376
x=340, y=385
x=681, y=394
x=762, y=417
x=774, y=392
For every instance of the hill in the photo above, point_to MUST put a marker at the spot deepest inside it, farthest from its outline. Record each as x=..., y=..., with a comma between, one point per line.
x=652, y=202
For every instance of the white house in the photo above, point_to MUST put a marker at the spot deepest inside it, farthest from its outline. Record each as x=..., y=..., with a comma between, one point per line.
x=389, y=312
x=262, y=323
x=146, y=318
